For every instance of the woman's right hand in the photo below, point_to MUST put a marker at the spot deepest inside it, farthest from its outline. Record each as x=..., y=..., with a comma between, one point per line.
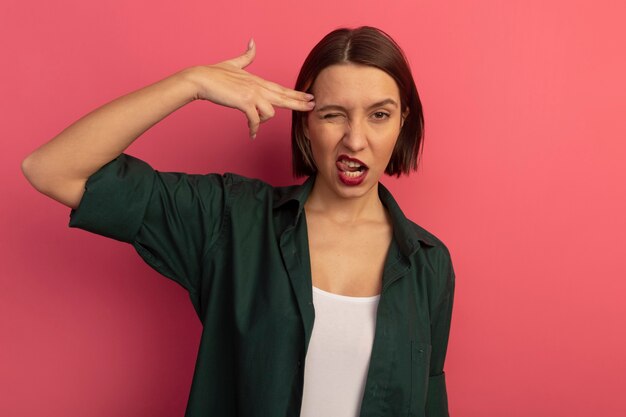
x=228, y=84
x=60, y=168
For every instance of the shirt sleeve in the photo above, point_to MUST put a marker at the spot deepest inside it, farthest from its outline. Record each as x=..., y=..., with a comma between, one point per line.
x=170, y=218
x=441, y=315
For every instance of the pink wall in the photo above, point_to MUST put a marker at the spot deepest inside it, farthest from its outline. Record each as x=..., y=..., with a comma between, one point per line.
x=523, y=176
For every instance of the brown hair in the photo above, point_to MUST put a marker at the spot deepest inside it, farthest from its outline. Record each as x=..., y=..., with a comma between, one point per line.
x=365, y=46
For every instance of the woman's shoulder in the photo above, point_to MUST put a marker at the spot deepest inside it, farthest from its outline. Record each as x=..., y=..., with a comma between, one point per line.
x=242, y=183
x=406, y=230
x=241, y=188
x=430, y=245
x=424, y=235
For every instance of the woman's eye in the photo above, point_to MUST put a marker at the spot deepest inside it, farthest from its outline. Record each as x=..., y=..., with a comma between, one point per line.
x=380, y=115
x=330, y=115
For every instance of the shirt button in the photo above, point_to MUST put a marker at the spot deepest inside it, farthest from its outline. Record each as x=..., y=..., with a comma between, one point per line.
x=299, y=364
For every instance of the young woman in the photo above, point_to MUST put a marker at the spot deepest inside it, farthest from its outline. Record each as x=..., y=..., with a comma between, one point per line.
x=320, y=299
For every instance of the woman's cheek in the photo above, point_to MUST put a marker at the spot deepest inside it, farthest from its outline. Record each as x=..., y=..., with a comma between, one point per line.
x=326, y=130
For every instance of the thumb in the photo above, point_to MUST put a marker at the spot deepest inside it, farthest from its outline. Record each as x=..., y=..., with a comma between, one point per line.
x=246, y=58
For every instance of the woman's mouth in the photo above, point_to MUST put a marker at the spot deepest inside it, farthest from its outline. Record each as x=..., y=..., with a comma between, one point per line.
x=351, y=171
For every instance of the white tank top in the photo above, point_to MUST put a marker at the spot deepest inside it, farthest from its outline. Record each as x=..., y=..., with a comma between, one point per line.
x=338, y=356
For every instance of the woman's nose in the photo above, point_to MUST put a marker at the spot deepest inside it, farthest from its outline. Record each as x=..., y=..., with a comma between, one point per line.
x=355, y=137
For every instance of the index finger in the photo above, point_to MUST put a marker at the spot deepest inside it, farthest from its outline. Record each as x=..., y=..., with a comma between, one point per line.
x=294, y=94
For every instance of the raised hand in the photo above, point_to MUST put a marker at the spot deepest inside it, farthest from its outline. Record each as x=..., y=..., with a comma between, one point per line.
x=228, y=84
x=60, y=168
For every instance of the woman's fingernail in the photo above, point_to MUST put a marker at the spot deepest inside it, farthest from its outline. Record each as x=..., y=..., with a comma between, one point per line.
x=251, y=43
x=309, y=96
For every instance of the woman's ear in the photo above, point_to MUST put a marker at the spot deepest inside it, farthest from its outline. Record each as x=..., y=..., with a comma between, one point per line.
x=405, y=113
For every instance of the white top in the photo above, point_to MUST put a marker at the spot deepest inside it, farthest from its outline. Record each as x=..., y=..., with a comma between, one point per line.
x=338, y=355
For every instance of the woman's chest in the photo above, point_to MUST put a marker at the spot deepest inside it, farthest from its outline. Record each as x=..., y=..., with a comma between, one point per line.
x=348, y=260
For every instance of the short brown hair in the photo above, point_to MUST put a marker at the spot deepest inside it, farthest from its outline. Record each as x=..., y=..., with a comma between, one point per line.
x=369, y=46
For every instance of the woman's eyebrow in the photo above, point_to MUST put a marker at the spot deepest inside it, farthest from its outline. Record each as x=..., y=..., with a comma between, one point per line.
x=341, y=108
x=384, y=103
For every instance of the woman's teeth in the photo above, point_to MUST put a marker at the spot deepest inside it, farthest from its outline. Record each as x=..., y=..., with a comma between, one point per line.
x=353, y=174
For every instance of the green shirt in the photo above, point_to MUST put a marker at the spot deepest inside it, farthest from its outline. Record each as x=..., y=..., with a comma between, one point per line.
x=239, y=247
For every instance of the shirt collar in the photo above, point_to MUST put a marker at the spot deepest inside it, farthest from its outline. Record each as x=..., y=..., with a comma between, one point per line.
x=407, y=234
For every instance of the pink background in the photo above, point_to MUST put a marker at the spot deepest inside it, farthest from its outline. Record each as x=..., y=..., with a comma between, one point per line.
x=523, y=176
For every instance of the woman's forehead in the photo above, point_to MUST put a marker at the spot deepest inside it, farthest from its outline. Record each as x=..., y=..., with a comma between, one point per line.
x=354, y=84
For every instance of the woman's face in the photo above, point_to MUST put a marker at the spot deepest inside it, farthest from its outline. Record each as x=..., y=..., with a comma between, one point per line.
x=353, y=128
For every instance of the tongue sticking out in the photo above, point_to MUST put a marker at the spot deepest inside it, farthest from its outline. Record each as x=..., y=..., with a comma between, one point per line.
x=350, y=166
x=352, y=172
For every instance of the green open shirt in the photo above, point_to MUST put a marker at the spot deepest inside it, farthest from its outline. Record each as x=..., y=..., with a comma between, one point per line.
x=239, y=247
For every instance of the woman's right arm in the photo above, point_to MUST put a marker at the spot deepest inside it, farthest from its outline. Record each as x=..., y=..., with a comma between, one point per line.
x=61, y=167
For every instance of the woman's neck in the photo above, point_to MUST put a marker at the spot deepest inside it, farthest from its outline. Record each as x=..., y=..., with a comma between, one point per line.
x=346, y=210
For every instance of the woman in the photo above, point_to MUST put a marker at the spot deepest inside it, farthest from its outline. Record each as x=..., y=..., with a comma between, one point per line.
x=263, y=264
